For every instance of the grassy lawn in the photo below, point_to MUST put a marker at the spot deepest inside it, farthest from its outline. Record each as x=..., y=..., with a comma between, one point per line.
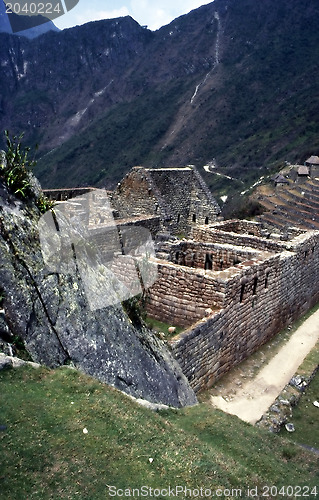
x=45, y=453
x=159, y=326
x=305, y=417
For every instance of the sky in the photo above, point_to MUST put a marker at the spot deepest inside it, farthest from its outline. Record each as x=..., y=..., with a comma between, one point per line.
x=153, y=13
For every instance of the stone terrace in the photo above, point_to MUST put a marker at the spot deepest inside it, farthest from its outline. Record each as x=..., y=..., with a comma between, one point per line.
x=292, y=205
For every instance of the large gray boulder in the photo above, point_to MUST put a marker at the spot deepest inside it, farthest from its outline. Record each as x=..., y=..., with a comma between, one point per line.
x=51, y=313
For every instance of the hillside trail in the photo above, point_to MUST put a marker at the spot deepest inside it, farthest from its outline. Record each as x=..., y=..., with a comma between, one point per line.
x=252, y=398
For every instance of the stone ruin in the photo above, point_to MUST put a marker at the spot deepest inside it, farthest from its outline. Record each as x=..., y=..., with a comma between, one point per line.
x=231, y=284
x=176, y=198
x=233, y=289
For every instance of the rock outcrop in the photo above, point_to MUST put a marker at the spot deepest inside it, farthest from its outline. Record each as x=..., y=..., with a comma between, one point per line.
x=50, y=313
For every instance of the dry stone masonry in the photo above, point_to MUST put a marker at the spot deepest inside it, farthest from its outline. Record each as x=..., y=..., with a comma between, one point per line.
x=250, y=302
x=232, y=284
x=179, y=196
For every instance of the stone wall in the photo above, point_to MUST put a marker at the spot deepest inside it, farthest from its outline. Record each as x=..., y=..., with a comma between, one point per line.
x=181, y=295
x=179, y=196
x=209, y=256
x=253, y=228
x=241, y=227
x=260, y=300
x=186, y=196
x=176, y=199
x=152, y=224
x=67, y=193
x=107, y=240
x=212, y=234
x=52, y=313
x=135, y=197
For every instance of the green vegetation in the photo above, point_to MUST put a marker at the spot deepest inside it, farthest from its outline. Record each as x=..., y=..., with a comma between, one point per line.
x=160, y=327
x=306, y=417
x=31, y=98
x=257, y=111
x=45, y=453
x=134, y=308
x=242, y=207
x=44, y=204
x=123, y=138
x=136, y=311
x=256, y=108
x=16, y=168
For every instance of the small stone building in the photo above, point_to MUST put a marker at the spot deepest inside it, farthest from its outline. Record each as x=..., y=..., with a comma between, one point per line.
x=312, y=161
x=313, y=164
x=303, y=171
x=232, y=285
x=179, y=197
x=280, y=180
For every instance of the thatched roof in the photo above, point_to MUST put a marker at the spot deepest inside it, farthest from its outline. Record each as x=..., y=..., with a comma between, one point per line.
x=313, y=160
x=280, y=179
x=303, y=170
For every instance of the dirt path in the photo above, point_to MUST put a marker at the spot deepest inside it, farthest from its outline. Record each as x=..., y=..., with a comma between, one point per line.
x=254, y=398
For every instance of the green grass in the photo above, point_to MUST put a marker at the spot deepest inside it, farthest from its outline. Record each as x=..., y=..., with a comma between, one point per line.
x=45, y=454
x=159, y=326
x=305, y=417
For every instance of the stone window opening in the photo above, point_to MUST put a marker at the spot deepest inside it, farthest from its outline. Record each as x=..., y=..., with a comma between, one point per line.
x=188, y=259
x=208, y=262
x=194, y=217
x=221, y=263
x=178, y=218
x=266, y=280
x=306, y=254
x=183, y=260
x=206, y=220
x=255, y=285
x=242, y=291
x=177, y=257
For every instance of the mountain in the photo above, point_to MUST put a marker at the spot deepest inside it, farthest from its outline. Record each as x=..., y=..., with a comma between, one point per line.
x=232, y=86
x=27, y=26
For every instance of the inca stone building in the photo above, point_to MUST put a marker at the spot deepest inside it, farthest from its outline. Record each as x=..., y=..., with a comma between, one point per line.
x=176, y=198
x=232, y=284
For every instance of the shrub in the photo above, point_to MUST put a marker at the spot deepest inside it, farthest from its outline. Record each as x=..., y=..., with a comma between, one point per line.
x=17, y=167
x=16, y=170
x=134, y=308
